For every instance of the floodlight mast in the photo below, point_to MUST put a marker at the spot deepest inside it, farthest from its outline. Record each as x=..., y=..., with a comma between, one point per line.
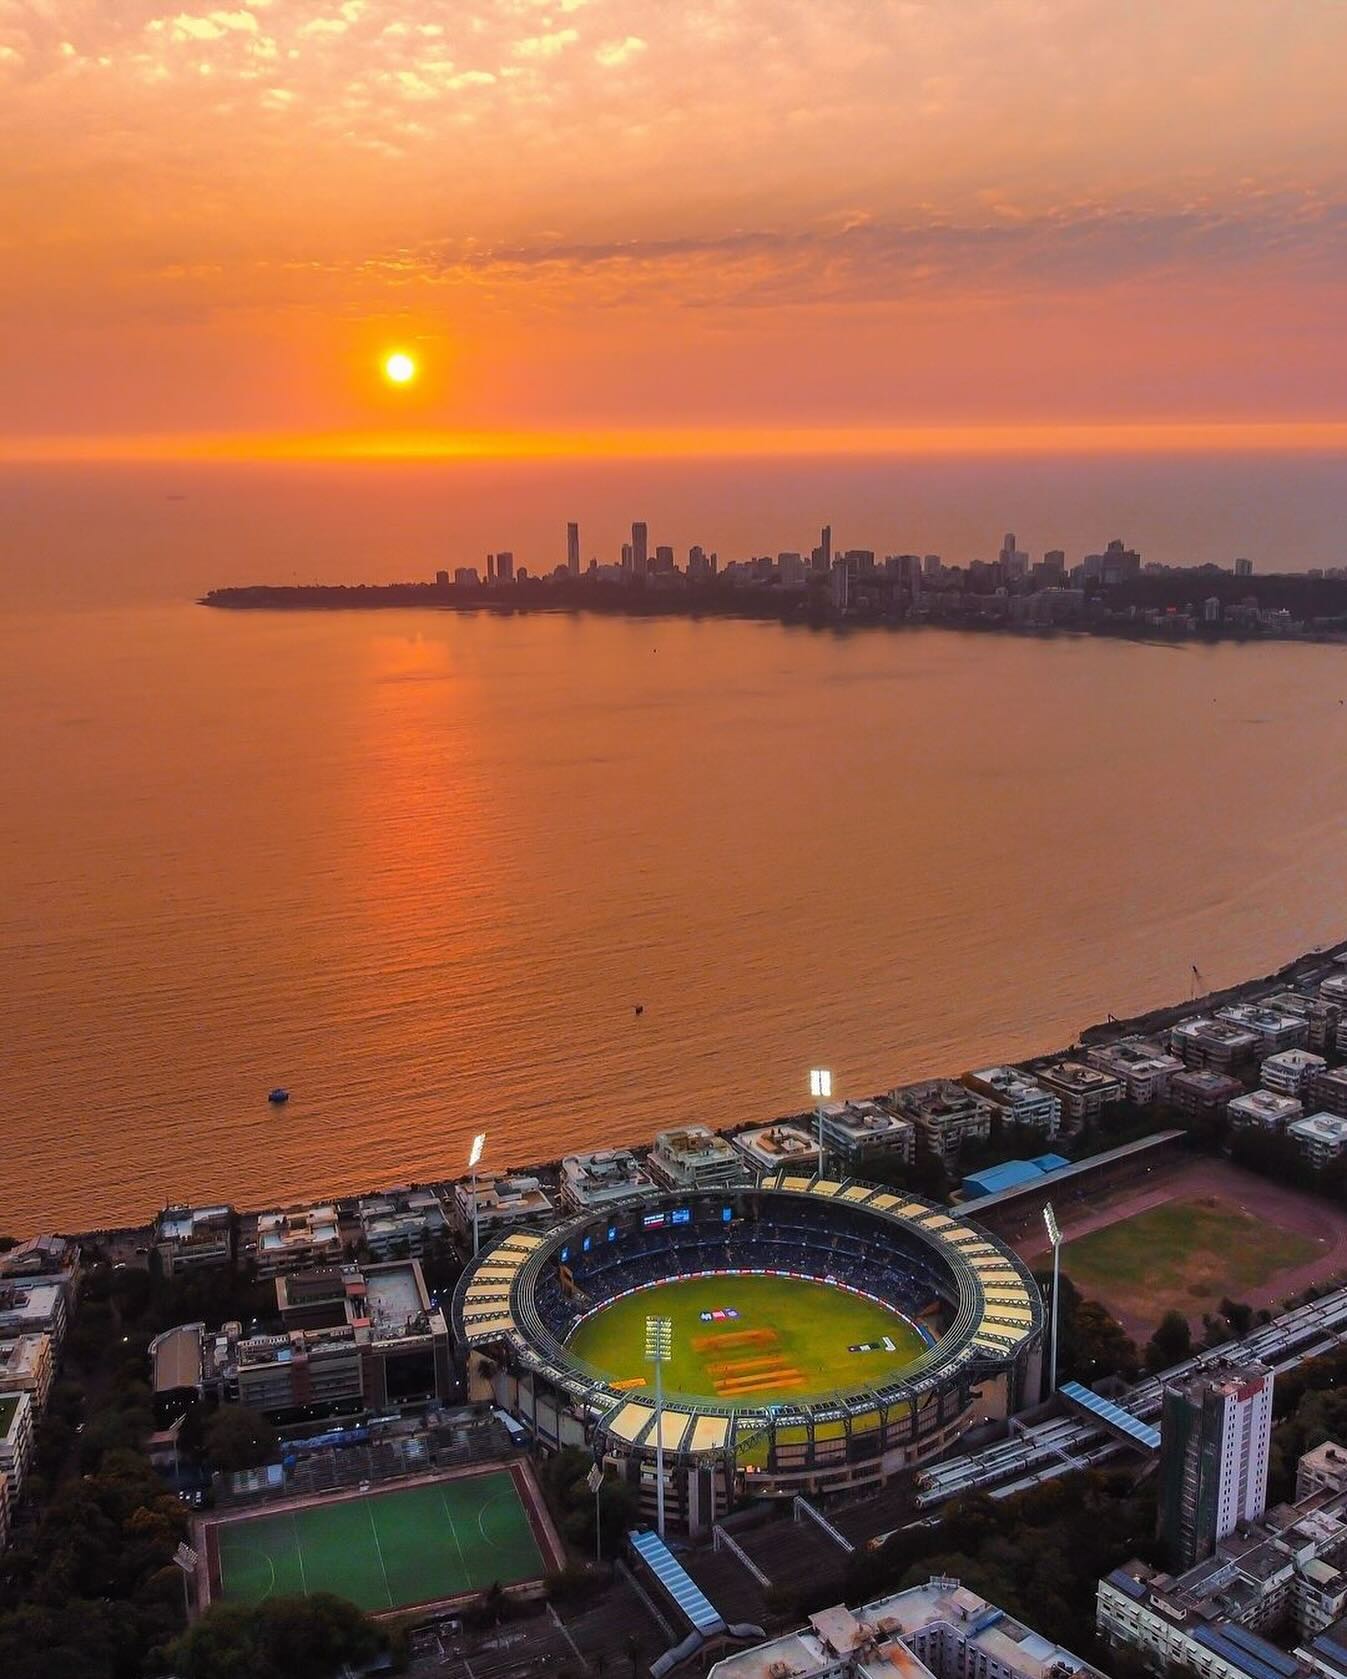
x=821, y=1089
x=658, y=1346
x=1055, y=1237
x=474, y=1156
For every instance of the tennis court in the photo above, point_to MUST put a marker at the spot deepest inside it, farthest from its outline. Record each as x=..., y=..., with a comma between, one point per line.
x=384, y=1550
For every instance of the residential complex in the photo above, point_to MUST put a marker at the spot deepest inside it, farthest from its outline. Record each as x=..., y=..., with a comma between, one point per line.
x=1219, y=1046
x=1291, y=1071
x=941, y=1630
x=1023, y=1101
x=594, y=1180
x=1083, y=1090
x=695, y=1158
x=193, y=1238
x=1320, y=1138
x=1141, y=1066
x=16, y=1441
x=947, y=1115
x=768, y=1148
x=1263, y=1110
x=858, y=1134
x=303, y=1236
x=498, y=1202
x=28, y=1365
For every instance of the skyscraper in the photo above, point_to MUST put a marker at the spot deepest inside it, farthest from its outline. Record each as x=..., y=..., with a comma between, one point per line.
x=505, y=567
x=1215, y=1430
x=640, y=548
x=573, y=548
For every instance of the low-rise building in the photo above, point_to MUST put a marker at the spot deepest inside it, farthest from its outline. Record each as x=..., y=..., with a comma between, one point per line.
x=354, y=1341
x=602, y=1177
x=1321, y=1138
x=1274, y=1030
x=1263, y=1110
x=1320, y=1015
x=859, y=1134
x=1324, y=1469
x=502, y=1201
x=770, y=1148
x=33, y=1309
x=45, y=1260
x=28, y=1365
x=1142, y=1067
x=1024, y=1103
x=297, y=1239
x=401, y=1223
x=941, y=1630
x=694, y=1157
x=5, y=1518
x=16, y=1441
x=1334, y=990
x=1213, y=1620
x=1217, y=1045
x=1291, y=1072
x=947, y=1115
x=193, y=1238
x=1084, y=1091
x=1328, y=1090
x=1202, y=1093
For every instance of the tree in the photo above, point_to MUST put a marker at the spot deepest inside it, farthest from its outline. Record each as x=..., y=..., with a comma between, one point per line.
x=237, y=1438
x=283, y=1638
x=1171, y=1343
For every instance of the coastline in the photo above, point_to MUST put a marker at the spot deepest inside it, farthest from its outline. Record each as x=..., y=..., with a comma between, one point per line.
x=1158, y=1018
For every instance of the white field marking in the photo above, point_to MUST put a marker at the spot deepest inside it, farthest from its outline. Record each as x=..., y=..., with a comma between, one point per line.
x=299, y=1552
x=369, y=1511
x=251, y=1550
x=458, y=1543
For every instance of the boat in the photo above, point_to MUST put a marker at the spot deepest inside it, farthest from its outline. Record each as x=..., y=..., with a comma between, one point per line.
x=279, y=1095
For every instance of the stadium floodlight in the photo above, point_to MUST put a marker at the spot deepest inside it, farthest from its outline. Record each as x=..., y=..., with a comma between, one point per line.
x=821, y=1089
x=474, y=1156
x=1055, y=1237
x=594, y=1481
x=658, y=1347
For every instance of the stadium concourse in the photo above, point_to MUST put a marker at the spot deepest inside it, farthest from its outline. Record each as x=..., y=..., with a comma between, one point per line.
x=827, y=1334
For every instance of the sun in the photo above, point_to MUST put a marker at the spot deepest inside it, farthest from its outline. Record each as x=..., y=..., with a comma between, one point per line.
x=399, y=368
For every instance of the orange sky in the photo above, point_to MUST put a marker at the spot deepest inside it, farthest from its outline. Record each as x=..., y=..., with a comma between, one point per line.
x=635, y=219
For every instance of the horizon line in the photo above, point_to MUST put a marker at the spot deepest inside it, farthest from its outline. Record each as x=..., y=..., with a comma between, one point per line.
x=686, y=442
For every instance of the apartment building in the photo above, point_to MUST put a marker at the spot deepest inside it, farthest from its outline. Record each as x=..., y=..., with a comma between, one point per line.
x=946, y=1115
x=1263, y=1110
x=1024, y=1103
x=1084, y=1091
x=695, y=1157
x=1142, y=1066
x=1291, y=1072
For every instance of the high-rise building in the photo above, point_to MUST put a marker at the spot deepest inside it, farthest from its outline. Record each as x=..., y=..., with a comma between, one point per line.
x=505, y=567
x=1243, y=568
x=573, y=548
x=825, y=542
x=664, y=560
x=640, y=548
x=1215, y=1430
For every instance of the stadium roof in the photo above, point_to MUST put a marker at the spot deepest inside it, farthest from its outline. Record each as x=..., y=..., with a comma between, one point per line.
x=999, y=1311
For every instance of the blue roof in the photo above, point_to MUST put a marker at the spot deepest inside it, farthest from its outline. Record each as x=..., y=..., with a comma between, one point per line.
x=1128, y=1583
x=1113, y=1415
x=1245, y=1650
x=676, y=1580
x=1050, y=1162
x=1009, y=1175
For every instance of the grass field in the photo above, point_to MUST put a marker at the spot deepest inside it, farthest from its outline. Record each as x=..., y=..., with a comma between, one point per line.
x=1184, y=1254
x=386, y=1550
x=790, y=1339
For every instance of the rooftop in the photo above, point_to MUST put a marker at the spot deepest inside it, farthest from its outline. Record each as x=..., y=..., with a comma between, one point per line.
x=778, y=1142
x=694, y=1142
x=9, y=1405
x=1076, y=1075
x=1320, y=1128
x=1218, y=1031
x=396, y=1299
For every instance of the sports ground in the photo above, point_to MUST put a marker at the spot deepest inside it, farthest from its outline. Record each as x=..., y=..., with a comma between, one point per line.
x=1193, y=1233
x=384, y=1550
x=760, y=1339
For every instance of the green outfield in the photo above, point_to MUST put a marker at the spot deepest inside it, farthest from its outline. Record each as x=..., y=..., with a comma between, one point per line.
x=791, y=1339
x=385, y=1550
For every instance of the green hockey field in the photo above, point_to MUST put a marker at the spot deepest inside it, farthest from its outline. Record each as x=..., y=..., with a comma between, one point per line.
x=384, y=1550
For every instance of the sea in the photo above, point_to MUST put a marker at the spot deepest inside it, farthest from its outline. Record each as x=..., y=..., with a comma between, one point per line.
x=569, y=880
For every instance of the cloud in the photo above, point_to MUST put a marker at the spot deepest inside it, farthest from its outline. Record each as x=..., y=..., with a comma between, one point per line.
x=546, y=46
x=613, y=53
x=860, y=260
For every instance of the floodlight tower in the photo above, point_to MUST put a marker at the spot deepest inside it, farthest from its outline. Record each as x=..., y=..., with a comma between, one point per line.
x=821, y=1089
x=474, y=1155
x=1055, y=1237
x=658, y=1346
